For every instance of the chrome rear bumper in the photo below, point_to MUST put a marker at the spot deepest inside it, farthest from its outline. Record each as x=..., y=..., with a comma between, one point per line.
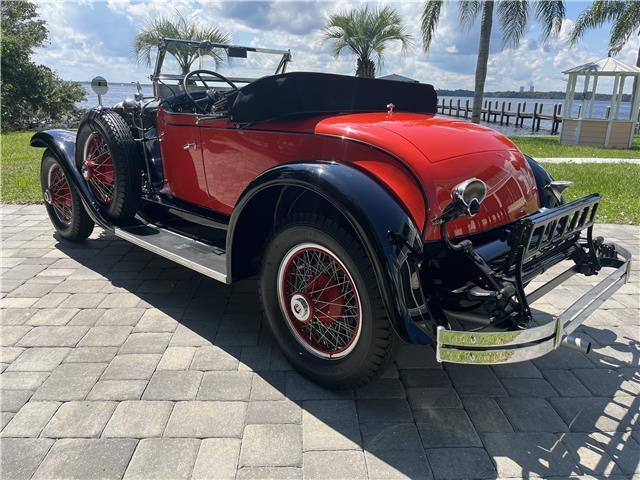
x=526, y=344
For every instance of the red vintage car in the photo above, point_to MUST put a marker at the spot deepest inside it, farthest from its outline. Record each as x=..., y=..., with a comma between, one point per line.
x=365, y=216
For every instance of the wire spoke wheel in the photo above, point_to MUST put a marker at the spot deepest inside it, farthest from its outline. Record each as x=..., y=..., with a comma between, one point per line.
x=320, y=301
x=58, y=194
x=98, y=169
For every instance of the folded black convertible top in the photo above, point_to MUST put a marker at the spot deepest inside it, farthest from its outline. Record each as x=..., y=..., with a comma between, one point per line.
x=307, y=93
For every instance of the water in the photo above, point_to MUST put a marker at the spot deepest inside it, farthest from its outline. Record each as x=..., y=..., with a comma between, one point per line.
x=119, y=91
x=599, y=111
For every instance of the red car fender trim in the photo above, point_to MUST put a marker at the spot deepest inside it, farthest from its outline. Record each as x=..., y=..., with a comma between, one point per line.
x=401, y=184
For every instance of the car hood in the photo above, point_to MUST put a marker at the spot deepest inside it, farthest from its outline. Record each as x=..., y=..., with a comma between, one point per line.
x=443, y=152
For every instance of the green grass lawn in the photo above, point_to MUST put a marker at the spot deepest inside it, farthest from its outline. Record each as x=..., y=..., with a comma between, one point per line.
x=20, y=168
x=617, y=183
x=549, y=147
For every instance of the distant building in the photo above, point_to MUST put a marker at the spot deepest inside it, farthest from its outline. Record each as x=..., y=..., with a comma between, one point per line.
x=531, y=89
x=521, y=89
x=398, y=78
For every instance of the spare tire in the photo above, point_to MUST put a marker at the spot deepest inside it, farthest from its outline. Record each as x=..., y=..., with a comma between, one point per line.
x=109, y=159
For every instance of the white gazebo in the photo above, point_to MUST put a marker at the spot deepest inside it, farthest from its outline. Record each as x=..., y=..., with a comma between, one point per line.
x=608, y=128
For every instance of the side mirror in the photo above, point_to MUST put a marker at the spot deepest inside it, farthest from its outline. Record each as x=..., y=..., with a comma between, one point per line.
x=100, y=87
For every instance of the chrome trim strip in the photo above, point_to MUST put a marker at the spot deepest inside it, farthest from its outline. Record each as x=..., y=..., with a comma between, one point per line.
x=185, y=262
x=488, y=348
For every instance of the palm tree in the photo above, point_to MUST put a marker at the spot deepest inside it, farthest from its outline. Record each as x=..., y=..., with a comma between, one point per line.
x=366, y=33
x=623, y=15
x=178, y=27
x=512, y=16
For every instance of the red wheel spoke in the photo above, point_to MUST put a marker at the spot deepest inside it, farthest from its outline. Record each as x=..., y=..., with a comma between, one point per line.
x=99, y=167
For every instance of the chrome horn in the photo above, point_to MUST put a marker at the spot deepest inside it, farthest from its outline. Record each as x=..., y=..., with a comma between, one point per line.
x=467, y=198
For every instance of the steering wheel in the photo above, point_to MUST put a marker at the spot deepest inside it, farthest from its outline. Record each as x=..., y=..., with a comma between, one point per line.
x=198, y=73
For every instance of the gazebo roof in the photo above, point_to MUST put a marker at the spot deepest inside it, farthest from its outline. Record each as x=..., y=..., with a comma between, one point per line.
x=605, y=66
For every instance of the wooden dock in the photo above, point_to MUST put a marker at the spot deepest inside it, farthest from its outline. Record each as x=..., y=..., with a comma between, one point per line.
x=504, y=114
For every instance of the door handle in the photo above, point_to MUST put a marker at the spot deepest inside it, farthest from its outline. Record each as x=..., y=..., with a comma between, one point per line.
x=188, y=146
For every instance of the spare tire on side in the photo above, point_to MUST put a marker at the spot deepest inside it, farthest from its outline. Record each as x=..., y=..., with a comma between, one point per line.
x=110, y=162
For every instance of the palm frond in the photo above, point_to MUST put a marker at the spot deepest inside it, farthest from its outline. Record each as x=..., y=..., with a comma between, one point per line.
x=469, y=10
x=513, y=16
x=429, y=21
x=550, y=14
x=600, y=12
x=627, y=24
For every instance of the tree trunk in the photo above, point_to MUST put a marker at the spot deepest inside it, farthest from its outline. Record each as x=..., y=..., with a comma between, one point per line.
x=483, y=58
x=366, y=68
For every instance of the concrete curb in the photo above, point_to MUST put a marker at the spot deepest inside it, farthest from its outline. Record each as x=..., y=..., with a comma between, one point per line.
x=635, y=161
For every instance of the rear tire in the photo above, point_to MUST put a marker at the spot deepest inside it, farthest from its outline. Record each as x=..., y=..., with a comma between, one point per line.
x=63, y=203
x=322, y=302
x=109, y=159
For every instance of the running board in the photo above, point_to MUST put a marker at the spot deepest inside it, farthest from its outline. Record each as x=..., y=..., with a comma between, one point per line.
x=206, y=259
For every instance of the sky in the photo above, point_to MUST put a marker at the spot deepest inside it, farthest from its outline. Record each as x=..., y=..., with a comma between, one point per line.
x=89, y=38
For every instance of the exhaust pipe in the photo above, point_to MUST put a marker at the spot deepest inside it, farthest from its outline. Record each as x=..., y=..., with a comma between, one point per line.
x=576, y=343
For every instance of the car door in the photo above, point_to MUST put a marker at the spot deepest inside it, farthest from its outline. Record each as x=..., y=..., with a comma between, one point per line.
x=181, y=149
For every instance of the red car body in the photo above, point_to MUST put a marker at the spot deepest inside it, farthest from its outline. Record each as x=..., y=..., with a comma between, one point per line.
x=420, y=158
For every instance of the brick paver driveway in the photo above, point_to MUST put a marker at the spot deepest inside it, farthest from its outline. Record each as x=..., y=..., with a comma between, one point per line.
x=117, y=363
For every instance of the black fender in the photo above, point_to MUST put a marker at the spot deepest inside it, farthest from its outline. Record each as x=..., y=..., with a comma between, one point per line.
x=543, y=180
x=62, y=143
x=391, y=239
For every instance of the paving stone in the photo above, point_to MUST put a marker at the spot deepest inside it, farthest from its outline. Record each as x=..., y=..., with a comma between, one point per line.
x=425, y=378
x=606, y=382
x=529, y=387
x=20, y=457
x=42, y=359
x=30, y=419
x=186, y=337
x=176, y=358
x=420, y=398
x=117, y=390
x=17, y=302
x=474, y=380
x=206, y=419
x=486, y=415
x=532, y=415
x=146, y=343
x=215, y=358
x=11, y=334
x=517, y=370
x=121, y=316
x=52, y=317
x=621, y=447
x=94, y=458
x=91, y=355
x=563, y=358
x=154, y=320
x=415, y=356
x=173, y=385
x=272, y=473
x=225, y=386
x=22, y=380
x=163, y=458
x=16, y=316
x=51, y=300
x=397, y=465
x=53, y=337
x=384, y=436
x=320, y=434
x=9, y=354
x=382, y=388
x=384, y=410
x=131, y=367
x=83, y=300
x=87, y=317
x=105, y=336
x=70, y=381
x=529, y=454
x=460, y=463
x=219, y=455
x=271, y=445
x=30, y=290
x=323, y=465
x=446, y=427
x=79, y=419
x=138, y=419
x=565, y=383
x=591, y=414
x=13, y=400
x=268, y=386
x=5, y=418
x=298, y=387
x=120, y=300
x=592, y=458
x=276, y=412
